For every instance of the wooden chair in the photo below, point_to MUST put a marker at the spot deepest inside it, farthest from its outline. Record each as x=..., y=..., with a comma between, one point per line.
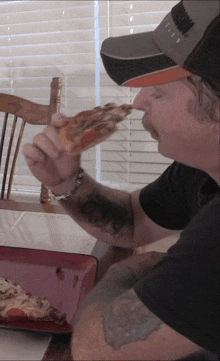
x=25, y=111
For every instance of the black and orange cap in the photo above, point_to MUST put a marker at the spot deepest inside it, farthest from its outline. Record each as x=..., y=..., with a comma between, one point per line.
x=186, y=42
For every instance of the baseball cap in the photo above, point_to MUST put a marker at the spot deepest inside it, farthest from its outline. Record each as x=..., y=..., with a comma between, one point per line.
x=186, y=42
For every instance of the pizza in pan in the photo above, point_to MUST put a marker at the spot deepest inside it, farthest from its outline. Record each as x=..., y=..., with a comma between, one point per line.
x=16, y=304
x=91, y=127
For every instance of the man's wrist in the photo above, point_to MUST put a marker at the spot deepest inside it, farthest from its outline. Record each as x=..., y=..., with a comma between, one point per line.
x=69, y=187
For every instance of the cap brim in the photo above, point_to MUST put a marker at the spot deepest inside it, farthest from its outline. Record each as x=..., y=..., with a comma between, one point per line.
x=136, y=61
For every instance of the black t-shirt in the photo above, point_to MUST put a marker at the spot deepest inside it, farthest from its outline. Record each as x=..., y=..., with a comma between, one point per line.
x=183, y=288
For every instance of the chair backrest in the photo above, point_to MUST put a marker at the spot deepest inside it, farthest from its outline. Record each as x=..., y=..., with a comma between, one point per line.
x=22, y=111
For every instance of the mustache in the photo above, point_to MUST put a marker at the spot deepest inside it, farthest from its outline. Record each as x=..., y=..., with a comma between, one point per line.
x=148, y=126
x=146, y=123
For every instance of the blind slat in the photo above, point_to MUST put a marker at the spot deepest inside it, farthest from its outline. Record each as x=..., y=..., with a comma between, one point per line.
x=136, y=145
x=43, y=39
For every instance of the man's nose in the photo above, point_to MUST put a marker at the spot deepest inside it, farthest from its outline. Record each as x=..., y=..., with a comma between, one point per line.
x=140, y=101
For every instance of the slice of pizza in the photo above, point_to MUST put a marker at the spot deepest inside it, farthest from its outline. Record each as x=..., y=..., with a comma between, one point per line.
x=91, y=127
x=16, y=304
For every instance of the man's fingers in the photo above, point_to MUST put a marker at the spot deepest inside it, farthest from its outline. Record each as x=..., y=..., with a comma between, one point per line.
x=33, y=155
x=53, y=135
x=42, y=142
x=37, y=161
x=59, y=120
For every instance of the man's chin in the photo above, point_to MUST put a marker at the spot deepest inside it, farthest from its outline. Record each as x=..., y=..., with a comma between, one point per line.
x=155, y=136
x=164, y=152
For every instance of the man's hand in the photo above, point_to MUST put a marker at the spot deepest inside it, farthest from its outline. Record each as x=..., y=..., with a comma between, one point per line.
x=48, y=160
x=139, y=263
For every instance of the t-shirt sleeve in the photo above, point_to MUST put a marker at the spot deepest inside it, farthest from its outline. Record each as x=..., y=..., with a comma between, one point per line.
x=164, y=200
x=183, y=288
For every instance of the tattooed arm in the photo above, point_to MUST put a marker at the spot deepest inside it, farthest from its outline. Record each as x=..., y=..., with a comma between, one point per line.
x=103, y=212
x=112, y=215
x=113, y=324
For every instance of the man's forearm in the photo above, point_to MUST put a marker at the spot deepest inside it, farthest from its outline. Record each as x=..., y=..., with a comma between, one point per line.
x=103, y=212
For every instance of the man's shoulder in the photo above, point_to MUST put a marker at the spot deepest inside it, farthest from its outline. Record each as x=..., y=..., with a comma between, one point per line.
x=178, y=175
x=205, y=223
x=185, y=171
x=194, y=183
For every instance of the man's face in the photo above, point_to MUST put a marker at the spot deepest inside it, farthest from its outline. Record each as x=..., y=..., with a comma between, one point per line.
x=169, y=116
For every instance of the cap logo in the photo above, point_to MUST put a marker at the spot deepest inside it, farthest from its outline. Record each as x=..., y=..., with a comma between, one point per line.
x=181, y=19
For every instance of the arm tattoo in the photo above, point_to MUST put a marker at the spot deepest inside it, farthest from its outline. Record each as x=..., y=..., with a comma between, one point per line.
x=109, y=288
x=127, y=320
x=106, y=214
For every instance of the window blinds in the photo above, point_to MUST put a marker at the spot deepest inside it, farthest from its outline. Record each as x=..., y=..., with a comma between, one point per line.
x=43, y=39
x=130, y=158
x=40, y=40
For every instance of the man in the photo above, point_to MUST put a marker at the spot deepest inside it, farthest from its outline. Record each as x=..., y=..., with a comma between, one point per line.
x=154, y=306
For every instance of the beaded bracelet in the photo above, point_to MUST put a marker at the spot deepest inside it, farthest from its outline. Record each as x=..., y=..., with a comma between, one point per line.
x=79, y=182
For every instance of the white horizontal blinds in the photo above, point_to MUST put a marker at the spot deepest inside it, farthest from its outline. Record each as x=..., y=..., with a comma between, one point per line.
x=44, y=39
x=115, y=151
x=131, y=156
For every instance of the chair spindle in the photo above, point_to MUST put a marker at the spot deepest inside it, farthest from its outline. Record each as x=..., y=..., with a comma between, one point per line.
x=55, y=97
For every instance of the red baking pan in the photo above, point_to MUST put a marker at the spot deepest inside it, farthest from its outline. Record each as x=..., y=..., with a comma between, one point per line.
x=64, y=278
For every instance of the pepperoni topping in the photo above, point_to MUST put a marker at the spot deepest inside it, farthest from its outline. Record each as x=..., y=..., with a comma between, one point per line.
x=16, y=313
x=89, y=137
